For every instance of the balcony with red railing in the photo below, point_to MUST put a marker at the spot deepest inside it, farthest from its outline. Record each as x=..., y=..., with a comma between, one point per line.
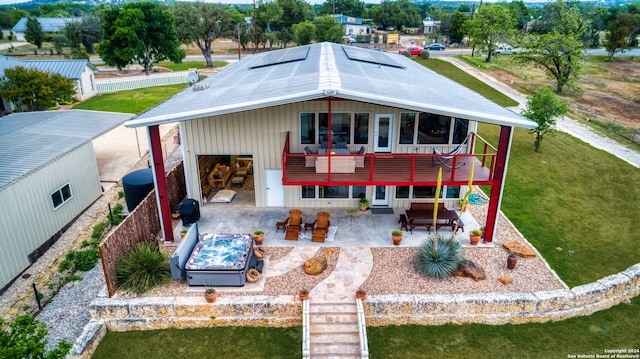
x=382, y=169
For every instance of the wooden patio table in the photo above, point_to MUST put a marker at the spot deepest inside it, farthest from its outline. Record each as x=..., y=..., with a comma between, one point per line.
x=424, y=218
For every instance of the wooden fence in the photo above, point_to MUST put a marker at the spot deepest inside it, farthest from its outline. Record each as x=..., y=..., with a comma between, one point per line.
x=131, y=83
x=142, y=225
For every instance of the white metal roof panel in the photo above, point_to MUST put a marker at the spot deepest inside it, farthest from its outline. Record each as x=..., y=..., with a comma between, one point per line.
x=33, y=139
x=328, y=71
x=71, y=69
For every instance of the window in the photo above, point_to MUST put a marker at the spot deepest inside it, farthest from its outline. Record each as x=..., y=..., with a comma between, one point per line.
x=358, y=192
x=308, y=191
x=61, y=196
x=345, y=127
x=339, y=192
x=334, y=191
x=424, y=191
x=402, y=192
x=431, y=129
x=307, y=128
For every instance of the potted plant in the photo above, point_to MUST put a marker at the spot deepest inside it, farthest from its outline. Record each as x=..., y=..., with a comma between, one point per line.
x=183, y=233
x=361, y=294
x=259, y=252
x=258, y=236
x=512, y=259
x=252, y=275
x=364, y=204
x=474, y=236
x=463, y=205
x=396, y=235
x=303, y=294
x=210, y=295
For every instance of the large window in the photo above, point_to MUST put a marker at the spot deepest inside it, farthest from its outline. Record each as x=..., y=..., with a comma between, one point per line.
x=406, y=192
x=336, y=192
x=61, y=196
x=431, y=129
x=350, y=128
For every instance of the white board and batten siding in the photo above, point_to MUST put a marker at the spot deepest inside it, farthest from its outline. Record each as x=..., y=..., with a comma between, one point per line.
x=28, y=218
x=262, y=134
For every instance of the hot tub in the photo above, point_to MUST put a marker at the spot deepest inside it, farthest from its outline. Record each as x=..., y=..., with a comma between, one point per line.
x=220, y=260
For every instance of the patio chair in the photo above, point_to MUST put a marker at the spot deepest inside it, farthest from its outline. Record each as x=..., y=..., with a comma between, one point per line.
x=440, y=158
x=324, y=145
x=293, y=223
x=319, y=233
x=341, y=145
x=309, y=161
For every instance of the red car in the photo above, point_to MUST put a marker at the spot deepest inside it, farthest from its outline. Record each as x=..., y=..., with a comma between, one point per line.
x=413, y=50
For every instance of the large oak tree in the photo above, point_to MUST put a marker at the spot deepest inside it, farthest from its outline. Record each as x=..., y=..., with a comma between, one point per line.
x=35, y=90
x=140, y=33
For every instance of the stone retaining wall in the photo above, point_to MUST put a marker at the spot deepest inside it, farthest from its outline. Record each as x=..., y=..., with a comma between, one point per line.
x=120, y=314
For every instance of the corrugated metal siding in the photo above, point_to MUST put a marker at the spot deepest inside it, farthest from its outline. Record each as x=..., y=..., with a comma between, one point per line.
x=262, y=133
x=27, y=217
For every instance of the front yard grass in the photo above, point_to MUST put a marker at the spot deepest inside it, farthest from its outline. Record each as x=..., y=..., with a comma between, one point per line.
x=131, y=101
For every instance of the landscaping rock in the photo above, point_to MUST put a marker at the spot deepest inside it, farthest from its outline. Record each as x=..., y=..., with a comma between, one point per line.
x=504, y=280
x=315, y=265
x=519, y=248
x=470, y=269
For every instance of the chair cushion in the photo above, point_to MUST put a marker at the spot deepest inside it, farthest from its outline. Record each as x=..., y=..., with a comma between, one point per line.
x=307, y=150
x=361, y=150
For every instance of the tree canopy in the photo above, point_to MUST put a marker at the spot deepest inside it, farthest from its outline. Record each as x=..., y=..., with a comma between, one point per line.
x=140, y=33
x=543, y=107
x=35, y=90
x=491, y=25
x=354, y=8
x=33, y=33
x=399, y=14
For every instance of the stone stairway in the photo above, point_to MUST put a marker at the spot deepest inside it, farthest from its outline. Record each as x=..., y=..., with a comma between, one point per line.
x=334, y=330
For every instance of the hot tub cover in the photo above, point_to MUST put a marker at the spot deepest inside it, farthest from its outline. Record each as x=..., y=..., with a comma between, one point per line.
x=220, y=251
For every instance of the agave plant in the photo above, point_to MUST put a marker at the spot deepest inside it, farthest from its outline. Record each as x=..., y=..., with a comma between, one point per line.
x=143, y=268
x=438, y=256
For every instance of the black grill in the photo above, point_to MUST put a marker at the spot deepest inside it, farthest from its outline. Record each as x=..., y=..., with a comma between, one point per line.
x=189, y=211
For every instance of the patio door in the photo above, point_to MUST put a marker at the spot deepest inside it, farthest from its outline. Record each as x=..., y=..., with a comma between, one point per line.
x=383, y=133
x=380, y=196
x=274, y=188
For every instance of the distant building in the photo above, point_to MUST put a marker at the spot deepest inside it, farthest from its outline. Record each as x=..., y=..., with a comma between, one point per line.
x=353, y=25
x=81, y=72
x=49, y=25
x=429, y=25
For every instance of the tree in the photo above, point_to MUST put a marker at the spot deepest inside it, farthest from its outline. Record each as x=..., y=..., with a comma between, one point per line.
x=36, y=90
x=304, y=32
x=73, y=33
x=90, y=32
x=33, y=33
x=327, y=29
x=352, y=8
x=201, y=23
x=543, y=107
x=140, y=33
x=293, y=12
x=458, y=28
x=619, y=31
x=269, y=13
x=25, y=338
x=490, y=25
x=399, y=14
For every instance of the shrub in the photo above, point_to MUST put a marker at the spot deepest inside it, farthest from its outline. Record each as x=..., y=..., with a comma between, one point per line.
x=86, y=260
x=97, y=230
x=143, y=268
x=438, y=257
x=64, y=265
x=424, y=54
x=25, y=337
x=406, y=53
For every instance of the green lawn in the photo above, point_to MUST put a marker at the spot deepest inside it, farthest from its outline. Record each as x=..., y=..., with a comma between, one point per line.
x=187, y=65
x=131, y=101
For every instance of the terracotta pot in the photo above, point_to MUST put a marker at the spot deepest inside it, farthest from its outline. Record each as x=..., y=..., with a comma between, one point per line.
x=363, y=208
x=252, y=276
x=210, y=297
x=304, y=295
x=511, y=261
x=361, y=294
x=465, y=207
x=396, y=239
x=259, y=239
x=258, y=252
x=474, y=240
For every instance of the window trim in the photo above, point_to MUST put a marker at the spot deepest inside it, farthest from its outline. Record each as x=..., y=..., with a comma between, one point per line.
x=416, y=124
x=352, y=127
x=62, y=195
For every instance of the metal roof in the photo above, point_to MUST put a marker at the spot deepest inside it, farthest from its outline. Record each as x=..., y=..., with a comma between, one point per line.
x=32, y=139
x=71, y=69
x=327, y=71
x=47, y=24
x=9, y=63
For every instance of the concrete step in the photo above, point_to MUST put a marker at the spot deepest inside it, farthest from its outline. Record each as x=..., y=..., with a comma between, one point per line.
x=334, y=338
x=333, y=327
x=319, y=308
x=338, y=350
x=333, y=318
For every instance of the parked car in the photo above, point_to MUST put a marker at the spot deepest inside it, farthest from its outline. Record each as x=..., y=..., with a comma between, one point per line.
x=503, y=50
x=413, y=50
x=435, y=47
x=349, y=40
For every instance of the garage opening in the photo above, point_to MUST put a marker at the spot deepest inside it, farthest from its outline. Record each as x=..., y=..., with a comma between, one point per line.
x=227, y=179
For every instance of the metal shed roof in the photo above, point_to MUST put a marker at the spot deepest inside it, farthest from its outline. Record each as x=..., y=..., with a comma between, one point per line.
x=48, y=24
x=329, y=70
x=33, y=139
x=71, y=69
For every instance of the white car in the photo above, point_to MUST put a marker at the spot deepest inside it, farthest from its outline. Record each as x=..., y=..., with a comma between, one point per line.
x=503, y=50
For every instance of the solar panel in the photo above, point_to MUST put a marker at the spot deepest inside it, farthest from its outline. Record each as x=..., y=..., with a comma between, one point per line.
x=373, y=57
x=281, y=57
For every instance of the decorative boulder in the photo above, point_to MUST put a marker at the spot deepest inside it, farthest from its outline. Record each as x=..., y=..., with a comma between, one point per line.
x=315, y=265
x=520, y=249
x=468, y=269
x=504, y=280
